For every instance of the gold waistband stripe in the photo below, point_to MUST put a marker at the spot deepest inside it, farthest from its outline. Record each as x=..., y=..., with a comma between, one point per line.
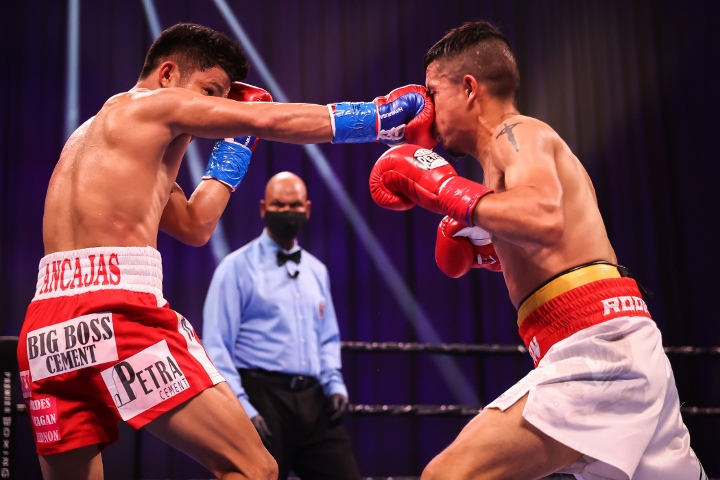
x=565, y=283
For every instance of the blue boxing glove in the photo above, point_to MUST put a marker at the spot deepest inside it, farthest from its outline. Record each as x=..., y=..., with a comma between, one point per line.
x=405, y=115
x=230, y=157
x=229, y=161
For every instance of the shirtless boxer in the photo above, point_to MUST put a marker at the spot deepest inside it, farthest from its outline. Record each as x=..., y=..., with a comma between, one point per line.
x=99, y=343
x=601, y=402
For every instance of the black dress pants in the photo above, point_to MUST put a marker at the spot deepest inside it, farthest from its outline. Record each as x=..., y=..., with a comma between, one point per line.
x=304, y=439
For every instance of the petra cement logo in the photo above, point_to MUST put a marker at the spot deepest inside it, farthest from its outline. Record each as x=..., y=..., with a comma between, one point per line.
x=77, y=343
x=144, y=380
x=427, y=159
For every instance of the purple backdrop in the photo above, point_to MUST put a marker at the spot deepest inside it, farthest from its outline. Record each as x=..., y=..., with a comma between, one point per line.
x=631, y=86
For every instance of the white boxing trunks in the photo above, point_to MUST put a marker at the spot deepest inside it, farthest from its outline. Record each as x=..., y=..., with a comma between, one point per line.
x=607, y=390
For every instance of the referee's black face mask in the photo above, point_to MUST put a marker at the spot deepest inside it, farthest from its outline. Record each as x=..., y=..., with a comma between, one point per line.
x=285, y=225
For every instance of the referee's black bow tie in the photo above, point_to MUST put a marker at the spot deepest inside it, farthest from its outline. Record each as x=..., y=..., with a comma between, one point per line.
x=283, y=257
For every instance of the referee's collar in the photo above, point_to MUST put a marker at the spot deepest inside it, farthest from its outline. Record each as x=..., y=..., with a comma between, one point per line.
x=274, y=247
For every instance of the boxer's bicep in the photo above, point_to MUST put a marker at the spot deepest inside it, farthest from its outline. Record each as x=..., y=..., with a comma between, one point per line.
x=193, y=221
x=174, y=217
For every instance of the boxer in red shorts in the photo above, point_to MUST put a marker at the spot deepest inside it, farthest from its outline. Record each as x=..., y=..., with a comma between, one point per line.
x=99, y=343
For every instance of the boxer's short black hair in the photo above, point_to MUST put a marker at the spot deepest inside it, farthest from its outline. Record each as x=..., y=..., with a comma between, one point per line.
x=482, y=51
x=194, y=47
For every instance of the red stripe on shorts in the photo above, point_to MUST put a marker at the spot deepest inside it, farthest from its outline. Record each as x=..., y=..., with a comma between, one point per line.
x=580, y=308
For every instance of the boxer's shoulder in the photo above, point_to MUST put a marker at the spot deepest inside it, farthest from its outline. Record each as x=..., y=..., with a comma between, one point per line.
x=520, y=134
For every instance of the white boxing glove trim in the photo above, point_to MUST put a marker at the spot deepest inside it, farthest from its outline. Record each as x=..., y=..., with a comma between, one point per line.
x=476, y=235
x=332, y=119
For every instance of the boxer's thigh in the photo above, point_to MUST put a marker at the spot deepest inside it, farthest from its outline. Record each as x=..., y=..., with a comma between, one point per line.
x=213, y=428
x=83, y=463
x=500, y=445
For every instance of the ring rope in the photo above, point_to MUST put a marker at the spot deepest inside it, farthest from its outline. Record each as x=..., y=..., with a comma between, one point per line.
x=465, y=349
x=468, y=348
x=469, y=411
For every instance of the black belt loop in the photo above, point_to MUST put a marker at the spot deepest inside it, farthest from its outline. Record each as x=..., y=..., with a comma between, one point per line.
x=293, y=383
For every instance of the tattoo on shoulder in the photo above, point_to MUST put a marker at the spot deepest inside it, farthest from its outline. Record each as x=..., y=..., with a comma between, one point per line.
x=511, y=137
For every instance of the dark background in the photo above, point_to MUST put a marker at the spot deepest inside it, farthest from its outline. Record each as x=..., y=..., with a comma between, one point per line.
x=630, y=85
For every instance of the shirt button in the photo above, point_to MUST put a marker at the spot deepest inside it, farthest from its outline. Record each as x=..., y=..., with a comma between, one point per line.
x=303, y=364
x=302, y=340
x=297, y=295
x=300, y=317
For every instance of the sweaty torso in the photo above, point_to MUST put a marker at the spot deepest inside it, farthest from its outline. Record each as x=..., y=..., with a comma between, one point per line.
x=584, y=237
x=113, y=179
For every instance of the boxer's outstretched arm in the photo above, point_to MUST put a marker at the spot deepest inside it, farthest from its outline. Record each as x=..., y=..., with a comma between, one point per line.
x=187, y=112
x=193, y=221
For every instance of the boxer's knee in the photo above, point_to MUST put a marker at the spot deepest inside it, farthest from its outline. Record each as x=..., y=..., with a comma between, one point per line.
x=260, y=467
x=256, y=464
x=437, y=469
x=269, y=468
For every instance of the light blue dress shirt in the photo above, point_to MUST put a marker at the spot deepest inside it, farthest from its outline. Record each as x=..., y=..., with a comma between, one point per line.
x=256, y=315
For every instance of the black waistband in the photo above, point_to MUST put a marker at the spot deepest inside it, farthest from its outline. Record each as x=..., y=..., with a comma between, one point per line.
x=291, y=382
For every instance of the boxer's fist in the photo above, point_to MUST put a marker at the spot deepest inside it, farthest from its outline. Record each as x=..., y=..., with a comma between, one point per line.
x=243, y=92
x=408, y=175
x=404, y=115
x=230, y=158
x=459, y=248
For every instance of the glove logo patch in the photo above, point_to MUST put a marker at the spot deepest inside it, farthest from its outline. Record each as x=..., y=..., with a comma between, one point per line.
x=391, y=113
x=425, y=159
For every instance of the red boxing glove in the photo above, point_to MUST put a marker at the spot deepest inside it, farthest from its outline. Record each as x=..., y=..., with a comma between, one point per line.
x=243, y=92
x=459, y=248
x=230, y=158
x=408, y=174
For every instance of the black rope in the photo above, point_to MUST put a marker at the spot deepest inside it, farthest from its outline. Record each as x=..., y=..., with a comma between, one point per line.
x=450, y=410
x=469, y=411
x=467, y=348
x=448, y=348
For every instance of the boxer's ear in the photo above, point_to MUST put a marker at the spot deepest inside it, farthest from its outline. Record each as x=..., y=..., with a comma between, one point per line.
x=471, y=87
x=168, y=74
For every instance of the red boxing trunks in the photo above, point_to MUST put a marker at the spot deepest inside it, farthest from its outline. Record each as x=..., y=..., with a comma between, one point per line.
x=576, y=300
x=100, y=344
